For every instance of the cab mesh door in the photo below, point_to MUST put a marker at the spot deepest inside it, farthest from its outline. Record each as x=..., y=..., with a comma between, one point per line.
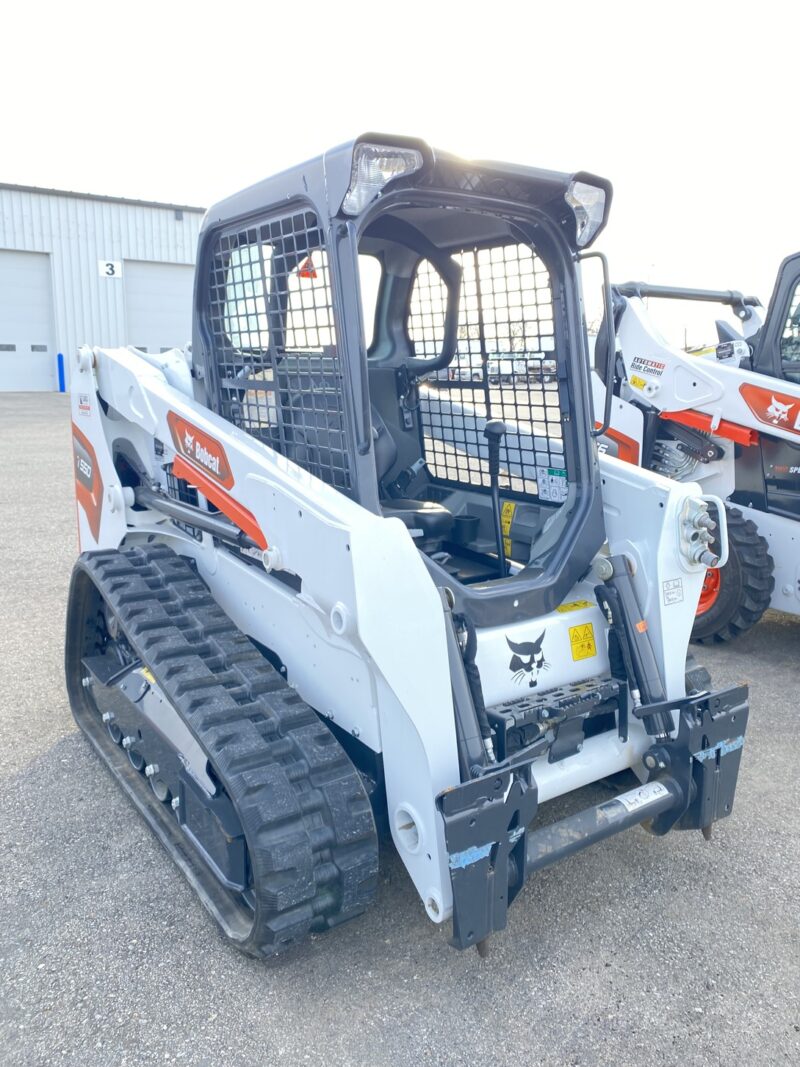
x=505, y=368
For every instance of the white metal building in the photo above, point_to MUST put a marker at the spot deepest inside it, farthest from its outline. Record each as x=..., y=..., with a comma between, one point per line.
x=82, y=269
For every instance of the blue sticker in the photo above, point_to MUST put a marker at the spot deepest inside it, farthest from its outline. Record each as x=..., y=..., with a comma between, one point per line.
x=724, y=747
x=469, y=856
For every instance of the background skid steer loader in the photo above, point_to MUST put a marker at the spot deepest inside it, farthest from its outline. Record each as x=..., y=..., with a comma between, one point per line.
x=727, y=417
x=324, y=586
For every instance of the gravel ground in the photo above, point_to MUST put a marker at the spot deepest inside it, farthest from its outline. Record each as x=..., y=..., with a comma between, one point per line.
x=667, y=951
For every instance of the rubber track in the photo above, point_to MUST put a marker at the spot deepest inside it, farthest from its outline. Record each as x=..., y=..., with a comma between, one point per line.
x=758, y=581
x=305, y=814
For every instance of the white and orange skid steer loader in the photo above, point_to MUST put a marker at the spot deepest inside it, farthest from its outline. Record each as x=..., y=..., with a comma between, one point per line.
x=727, y=417
x=327, y=588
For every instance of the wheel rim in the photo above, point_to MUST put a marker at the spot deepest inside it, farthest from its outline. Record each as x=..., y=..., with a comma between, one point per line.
x=710, y=591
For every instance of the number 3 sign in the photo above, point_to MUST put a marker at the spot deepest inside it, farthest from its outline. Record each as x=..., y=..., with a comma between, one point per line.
x=109, y=268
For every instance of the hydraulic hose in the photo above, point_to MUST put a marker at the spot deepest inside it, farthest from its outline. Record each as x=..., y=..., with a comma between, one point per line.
x=474, y=676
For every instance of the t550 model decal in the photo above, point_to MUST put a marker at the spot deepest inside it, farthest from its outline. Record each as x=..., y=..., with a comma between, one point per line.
x=627, y=447
x=88, y=482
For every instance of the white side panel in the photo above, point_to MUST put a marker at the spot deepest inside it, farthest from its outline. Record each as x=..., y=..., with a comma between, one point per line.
x=571, y=644
x=643, y=521
x=783, y=536
x=626, y=427
x=27, y=350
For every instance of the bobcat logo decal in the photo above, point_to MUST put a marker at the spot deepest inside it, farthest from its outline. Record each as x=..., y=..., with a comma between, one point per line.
x=527, y=660
x=778, y=412
x=200, y=448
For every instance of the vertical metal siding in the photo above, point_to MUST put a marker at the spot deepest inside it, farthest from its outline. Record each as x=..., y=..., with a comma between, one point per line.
x=77, y=232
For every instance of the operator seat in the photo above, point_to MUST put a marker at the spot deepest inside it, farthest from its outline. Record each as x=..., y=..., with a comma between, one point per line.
x=433, y=519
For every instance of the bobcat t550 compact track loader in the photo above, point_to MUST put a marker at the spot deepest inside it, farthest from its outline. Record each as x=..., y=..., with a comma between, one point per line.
x=727, y=417
x=327, y=588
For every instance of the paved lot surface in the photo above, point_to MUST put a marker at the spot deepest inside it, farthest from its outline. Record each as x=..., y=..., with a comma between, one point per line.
x=665, y=952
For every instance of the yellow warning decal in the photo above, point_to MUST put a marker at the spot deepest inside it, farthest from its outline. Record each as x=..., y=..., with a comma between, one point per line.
x=506, y=518
x=148, y=675
x=575, y=605
x=637, y=382
x=581, y=639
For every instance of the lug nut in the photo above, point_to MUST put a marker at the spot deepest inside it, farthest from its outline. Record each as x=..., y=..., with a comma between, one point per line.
x=176, y=803
x=151, y=769
x=128, y=741
x=108, y=716
x=86, y=682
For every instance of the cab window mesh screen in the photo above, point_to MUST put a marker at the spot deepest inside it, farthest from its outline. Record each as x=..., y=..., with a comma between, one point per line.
x=505, y=368
x=427, y=311
x=790, y=339
x=277, y=369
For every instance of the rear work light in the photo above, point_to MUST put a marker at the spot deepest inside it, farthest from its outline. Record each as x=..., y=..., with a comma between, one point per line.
x=588, y=203
x=374, y=166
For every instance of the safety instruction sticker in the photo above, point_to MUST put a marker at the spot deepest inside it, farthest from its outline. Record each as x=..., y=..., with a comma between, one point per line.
x=574, y=605
x=506, y=518
x=673, y=591
x=84, y=404
x=552, y=484
x=637, y=382
x=582, y=643
x=645, y=794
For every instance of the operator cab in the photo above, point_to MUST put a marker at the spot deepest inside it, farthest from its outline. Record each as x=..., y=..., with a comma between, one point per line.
x=458, y=313
x=371, y=313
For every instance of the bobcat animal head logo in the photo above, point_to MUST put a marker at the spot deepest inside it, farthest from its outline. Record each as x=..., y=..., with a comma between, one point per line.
x=527, y=661
x=777, y=411
x=188, y=441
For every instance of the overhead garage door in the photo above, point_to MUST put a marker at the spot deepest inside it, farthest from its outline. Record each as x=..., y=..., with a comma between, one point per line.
x=27, y=352
x=158, y=304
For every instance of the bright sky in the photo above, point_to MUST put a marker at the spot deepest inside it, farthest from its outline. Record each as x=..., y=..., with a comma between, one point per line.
x=691, y=109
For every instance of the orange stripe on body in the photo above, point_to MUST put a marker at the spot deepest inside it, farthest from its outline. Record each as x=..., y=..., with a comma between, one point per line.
x=235, y=511
x=699, y=420
x=627, y=447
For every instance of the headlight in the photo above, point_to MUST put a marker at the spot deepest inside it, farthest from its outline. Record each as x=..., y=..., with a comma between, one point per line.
x=374, y=166
x=588, y=204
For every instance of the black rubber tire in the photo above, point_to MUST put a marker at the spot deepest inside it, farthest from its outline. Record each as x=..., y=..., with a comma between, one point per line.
x=746, y=584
